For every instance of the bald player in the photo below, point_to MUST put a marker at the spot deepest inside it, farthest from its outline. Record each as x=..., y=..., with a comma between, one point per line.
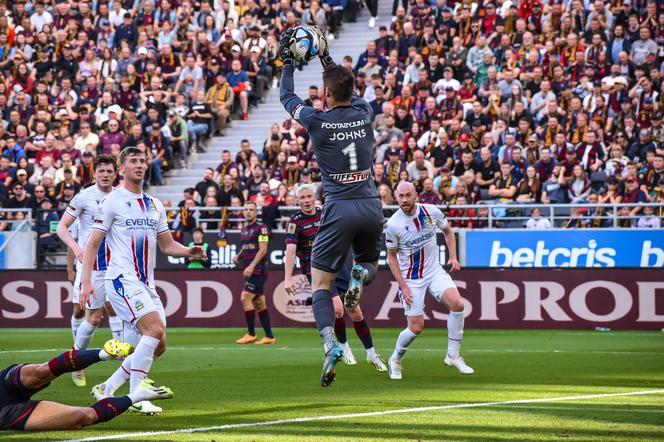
x=412, y=254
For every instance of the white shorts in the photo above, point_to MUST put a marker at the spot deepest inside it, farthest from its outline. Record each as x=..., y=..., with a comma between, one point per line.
x=131, y=299
x=97, y=301
x=435, y=283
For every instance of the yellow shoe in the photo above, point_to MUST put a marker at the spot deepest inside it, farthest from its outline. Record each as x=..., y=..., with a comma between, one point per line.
x=246, y=339
x=79, y=378
x=265, y=341
x=118, y=349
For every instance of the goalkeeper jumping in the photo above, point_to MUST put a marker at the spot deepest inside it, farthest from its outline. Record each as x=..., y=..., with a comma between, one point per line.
x=342, y=139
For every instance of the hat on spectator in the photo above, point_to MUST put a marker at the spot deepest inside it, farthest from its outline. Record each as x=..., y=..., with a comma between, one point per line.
x=172, y=113
x=464, y=137
x=256, y=49
x=182, y=16
x=609, y=81
x=87, y=153
x=448, y=68
x=46, y=201
x=142, y=50
x=306, y=171
x=477, y=123
x=449, y=89
x=67, y=46
x=382, y=28
x=656, y=116
x=105, y=22
x=644, y=132
x=292, y=159
x=68, y=185
x=126, y=15
x=631, y=179
x=17, y=88
x=445, y=169
x=533, y=137
x=625, y=100
x=394, y=152
x=620, y=80
x=236, y=48
x=21, y=172
x=116, y=109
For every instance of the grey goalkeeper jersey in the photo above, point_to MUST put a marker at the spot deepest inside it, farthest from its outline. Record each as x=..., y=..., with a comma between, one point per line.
x=342, y=138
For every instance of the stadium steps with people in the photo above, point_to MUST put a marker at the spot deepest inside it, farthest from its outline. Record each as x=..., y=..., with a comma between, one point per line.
x=352, y=41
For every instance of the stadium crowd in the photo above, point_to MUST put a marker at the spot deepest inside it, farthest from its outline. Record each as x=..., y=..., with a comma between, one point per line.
x=474, y=102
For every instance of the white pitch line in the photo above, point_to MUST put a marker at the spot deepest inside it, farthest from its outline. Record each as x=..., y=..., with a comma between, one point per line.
x=360, y=415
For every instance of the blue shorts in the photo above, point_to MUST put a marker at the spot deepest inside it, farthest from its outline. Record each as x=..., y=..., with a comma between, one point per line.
x=348, y=224
x=15, y=403
x=255, y=284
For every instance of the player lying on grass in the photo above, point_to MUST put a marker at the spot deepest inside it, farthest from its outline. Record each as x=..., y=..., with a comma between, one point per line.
x=412, y=254
x=300, y=235
x=19, y=382
x=342, y=139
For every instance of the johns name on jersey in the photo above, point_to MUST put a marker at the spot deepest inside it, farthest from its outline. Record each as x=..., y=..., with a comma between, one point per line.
x=355, y=134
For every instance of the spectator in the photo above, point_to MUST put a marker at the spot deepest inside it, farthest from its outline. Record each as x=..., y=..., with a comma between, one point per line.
x=238, y=79
x=199, y=119
x=536, y=222
x=198, y=241
x=649, y=219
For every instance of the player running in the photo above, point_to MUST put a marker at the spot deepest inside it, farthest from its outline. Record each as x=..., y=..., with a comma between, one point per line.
x=301, y=232
x=19, y=382
x=253, y=254
x=133, y=224
x=412, y=254
x=83, y=208
x=352, y=217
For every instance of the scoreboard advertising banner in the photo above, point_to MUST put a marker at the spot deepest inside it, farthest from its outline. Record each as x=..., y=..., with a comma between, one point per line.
x=565, y=248
x=507, y=299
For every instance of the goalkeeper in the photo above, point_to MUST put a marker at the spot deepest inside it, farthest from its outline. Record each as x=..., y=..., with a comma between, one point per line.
x=342, y=138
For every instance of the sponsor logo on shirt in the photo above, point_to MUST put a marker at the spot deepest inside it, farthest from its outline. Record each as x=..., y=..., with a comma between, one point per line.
x=140, y=222
x=421, y=239
x=351, y=177
x=296, y=112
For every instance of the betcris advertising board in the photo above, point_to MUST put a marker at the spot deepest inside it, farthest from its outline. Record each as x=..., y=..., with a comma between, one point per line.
x=565, y=248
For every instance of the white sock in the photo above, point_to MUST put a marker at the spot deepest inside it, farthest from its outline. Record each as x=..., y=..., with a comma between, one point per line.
x=75, y=324
x=406, y=337
x=84, y=335
x=116, y=327
x=118, y=378
x=371, y=353
x=130, y=334
x=142, y=360
x=454, y=333
x=139, y=395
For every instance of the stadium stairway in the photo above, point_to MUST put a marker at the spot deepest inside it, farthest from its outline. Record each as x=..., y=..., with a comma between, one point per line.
x=351, y=41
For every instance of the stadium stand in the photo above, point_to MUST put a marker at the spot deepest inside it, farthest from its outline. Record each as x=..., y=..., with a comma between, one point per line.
x=509, y=103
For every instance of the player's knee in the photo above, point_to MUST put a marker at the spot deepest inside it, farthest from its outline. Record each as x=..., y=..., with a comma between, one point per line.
x=78, y=311
x=416, y=327
x=41, y=372
x=155, y=330
x=85, y=416
x=161, y=348
x=94, y=317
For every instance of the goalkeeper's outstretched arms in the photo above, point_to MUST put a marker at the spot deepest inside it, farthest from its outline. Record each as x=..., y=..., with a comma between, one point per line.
x=293, y=104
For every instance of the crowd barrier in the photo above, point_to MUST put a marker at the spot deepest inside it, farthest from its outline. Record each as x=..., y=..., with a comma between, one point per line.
x=626, y=299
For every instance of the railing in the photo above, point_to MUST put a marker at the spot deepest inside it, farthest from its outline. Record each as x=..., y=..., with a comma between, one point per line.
x=483, y=215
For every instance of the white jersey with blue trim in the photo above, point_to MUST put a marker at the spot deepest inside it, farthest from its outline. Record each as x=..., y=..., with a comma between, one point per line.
x=83, y=207
x=132, y=223
x=414, y=237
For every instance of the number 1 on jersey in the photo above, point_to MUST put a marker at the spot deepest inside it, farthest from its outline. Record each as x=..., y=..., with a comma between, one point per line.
x=352, y=156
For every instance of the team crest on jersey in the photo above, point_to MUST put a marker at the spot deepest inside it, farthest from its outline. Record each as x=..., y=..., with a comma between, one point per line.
x=296, y=112
x=292, y=228
x=129, y=204
x=153, y=206
x=120, y=291
x=139, y=305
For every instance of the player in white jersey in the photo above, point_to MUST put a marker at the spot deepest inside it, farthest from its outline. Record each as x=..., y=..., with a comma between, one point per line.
x=80, y=212
x=133, y=224
x=412, y=254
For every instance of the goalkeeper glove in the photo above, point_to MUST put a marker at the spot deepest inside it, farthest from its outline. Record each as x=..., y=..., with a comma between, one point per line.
x=285, y=52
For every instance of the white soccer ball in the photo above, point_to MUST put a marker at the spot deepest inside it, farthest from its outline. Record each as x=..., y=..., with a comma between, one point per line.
x=304, y=43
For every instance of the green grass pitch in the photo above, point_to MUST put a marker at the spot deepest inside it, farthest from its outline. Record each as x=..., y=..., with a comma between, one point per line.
x=219, y=383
